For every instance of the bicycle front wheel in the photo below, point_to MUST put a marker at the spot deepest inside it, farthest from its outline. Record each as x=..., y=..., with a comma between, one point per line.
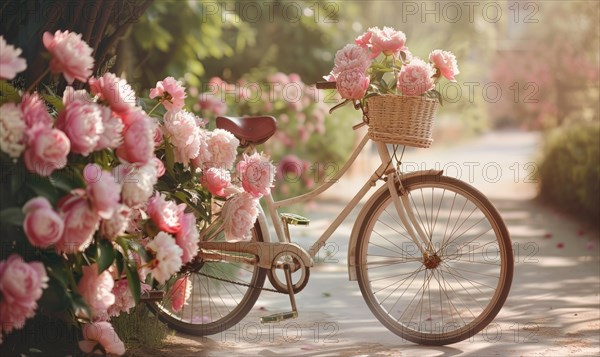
x=454, y=290
x=221, y=293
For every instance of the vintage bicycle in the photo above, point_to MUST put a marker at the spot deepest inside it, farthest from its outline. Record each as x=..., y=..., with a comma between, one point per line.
x=431, y=254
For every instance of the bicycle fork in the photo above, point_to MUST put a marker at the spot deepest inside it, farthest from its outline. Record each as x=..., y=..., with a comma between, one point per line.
x=403, y=206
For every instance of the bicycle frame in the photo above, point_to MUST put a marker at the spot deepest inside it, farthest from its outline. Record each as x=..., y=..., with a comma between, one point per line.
x=384, y=170
x=267, y=250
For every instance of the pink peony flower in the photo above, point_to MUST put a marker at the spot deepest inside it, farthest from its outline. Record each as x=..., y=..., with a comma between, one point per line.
x=102, y=189
x=12, y=130
x=115, y=91
x=352, y=84
x=239, y=212
x=137, y=182
x=211, y=104
x=222, y=146
x=70, y=55
x=81, y=223
x=204, y=157
x=123, y=299
x=216, y=180
x=138, y=141
x=158, y=164
x=181, y=129
x=47, y=150
x=96, y=290
x=42, y=225
x=171, y=93
x=188, y=237
x=165, y=214
x=180, y=293
x=34, y=110
x=167, y=260
x=415, y=78
x=82, y=122
x=116, y=225
x=445, y=61
x=158, y=135
x=21, y=286
x=290, y=168
x=257, y=173
x=10, y=62
x=101, y=333
x=389, y=41
x=351, y=57
x=364, y=40
x=112, y=136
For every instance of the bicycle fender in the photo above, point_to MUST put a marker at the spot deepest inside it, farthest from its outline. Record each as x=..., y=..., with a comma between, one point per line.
x=352, y=245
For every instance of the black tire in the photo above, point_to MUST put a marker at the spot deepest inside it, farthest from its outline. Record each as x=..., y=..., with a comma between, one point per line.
x=214, y=305
x=468, y=290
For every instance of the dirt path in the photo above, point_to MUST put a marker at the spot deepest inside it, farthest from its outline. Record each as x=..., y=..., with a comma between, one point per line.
x=553, y=308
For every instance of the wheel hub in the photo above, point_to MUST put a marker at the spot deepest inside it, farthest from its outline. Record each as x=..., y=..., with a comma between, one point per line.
x=431, y=261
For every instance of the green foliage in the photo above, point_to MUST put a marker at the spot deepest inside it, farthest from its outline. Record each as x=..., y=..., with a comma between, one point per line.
x=196, y=40
x=140, y=329
x=174, y=38
x=570, y=170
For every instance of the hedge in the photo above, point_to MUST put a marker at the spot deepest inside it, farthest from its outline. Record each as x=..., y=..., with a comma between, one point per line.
x=570, y=169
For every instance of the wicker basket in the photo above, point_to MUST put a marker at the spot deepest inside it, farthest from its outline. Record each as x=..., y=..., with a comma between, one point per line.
x=395, y=119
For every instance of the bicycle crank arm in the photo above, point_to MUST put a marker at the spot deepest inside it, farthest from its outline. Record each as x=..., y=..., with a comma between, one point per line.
x=265, y=252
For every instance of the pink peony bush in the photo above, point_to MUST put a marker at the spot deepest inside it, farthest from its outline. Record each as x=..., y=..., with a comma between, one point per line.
x=111, y=195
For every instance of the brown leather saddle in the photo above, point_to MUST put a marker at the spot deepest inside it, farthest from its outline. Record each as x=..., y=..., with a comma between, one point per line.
x=249, y=130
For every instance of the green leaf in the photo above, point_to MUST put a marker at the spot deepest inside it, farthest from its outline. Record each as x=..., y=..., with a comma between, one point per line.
x=55, y=101
x=57, y=272
x=138, y=248
x=120, y=262
x=80, y=307
x=12, y=216
x=66, y=180
x=9, y=93
x=105, y=255
x=134, y=282
x=43, y=187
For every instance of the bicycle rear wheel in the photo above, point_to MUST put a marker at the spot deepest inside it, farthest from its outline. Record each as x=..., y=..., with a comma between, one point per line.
x=459, y=287
x=216, y=303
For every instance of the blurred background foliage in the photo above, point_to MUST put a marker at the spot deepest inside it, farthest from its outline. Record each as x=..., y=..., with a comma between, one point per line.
x=524, y=65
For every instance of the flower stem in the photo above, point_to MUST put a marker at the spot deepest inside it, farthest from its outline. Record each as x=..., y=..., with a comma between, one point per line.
x=38, y=80
x=156, y=106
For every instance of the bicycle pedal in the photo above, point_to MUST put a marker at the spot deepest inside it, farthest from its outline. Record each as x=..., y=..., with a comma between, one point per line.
x=278, y=317
x=294, y=219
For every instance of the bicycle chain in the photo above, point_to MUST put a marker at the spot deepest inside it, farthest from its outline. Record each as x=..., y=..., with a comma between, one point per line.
x=240, y=283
